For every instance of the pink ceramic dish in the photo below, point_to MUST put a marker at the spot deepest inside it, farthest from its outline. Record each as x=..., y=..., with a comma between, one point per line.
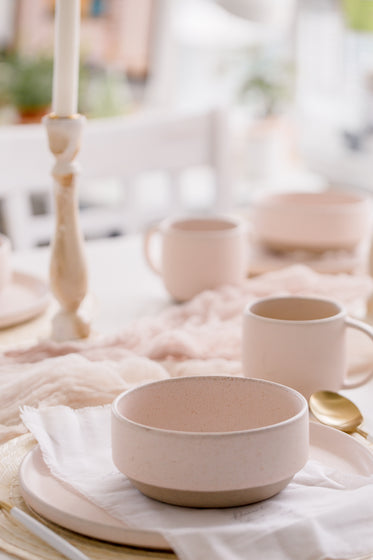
x=211, y=441
x=316, y=221
x=60, y=504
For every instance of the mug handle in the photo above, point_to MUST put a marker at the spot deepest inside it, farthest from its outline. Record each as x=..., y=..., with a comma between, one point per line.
x=151, y=231
x=363, y=327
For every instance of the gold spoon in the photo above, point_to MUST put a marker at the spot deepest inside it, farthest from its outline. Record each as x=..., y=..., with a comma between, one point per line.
x=338, y=412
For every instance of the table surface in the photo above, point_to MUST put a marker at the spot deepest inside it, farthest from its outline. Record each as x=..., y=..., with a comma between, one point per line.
x=121, y=285
x=121, y=288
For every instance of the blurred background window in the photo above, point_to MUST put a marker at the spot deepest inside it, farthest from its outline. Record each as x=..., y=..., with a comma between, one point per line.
x=296, y=76
x=115, y=42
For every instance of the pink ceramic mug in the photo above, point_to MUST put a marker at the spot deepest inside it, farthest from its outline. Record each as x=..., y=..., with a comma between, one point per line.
x=199, y=254
x=299, y=342
x=5, y=265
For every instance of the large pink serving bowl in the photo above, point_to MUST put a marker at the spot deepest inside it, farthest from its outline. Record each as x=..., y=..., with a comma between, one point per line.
x=212, y=441
x=315, y=221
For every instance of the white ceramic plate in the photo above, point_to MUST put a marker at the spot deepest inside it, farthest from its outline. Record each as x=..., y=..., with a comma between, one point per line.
x=48, y=497
x=24, y=298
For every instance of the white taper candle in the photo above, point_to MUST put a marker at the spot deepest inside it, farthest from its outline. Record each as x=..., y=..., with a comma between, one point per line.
x=66, y=58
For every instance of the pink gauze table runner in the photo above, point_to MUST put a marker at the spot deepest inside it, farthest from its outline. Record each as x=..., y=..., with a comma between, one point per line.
x=202, y=336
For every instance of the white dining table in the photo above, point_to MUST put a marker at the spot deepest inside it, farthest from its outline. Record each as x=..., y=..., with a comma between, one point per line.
x=121, y=288
x=121, y=285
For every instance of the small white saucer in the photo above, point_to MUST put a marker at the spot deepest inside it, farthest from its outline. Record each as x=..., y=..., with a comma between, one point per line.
x=49, y=498
x=24, y=298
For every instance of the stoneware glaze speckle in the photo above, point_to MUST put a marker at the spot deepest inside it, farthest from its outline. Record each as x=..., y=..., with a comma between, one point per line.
x=211, y=441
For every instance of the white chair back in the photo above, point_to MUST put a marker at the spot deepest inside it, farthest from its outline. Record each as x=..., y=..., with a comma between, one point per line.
x=120, y=148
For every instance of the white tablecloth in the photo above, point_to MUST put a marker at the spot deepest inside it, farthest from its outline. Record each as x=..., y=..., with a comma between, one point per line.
x=122, y=288
x=120, y=282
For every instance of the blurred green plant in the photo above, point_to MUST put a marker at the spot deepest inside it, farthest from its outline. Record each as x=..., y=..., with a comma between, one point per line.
x=358, y=14
x=264, y=82
x=29, y=82
x=26, y=84
x=103, y=92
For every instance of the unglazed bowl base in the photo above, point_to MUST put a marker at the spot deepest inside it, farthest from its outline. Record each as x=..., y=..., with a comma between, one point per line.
x=219, y=499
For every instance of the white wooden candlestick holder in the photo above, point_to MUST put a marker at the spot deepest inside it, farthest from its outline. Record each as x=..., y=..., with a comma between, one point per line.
x=68, y=270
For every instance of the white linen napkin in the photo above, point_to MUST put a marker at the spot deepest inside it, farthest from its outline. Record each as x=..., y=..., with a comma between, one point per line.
x=321, y=513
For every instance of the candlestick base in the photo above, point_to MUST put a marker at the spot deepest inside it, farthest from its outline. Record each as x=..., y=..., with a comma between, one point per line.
x=69, y=325
x=68, y=270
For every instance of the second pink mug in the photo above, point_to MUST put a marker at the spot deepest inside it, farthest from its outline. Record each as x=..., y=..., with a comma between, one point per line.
x=299, y=342
x=199, y=254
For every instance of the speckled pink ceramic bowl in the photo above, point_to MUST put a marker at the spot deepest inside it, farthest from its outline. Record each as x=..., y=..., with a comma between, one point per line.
x=211, y=441
x=316, y=221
